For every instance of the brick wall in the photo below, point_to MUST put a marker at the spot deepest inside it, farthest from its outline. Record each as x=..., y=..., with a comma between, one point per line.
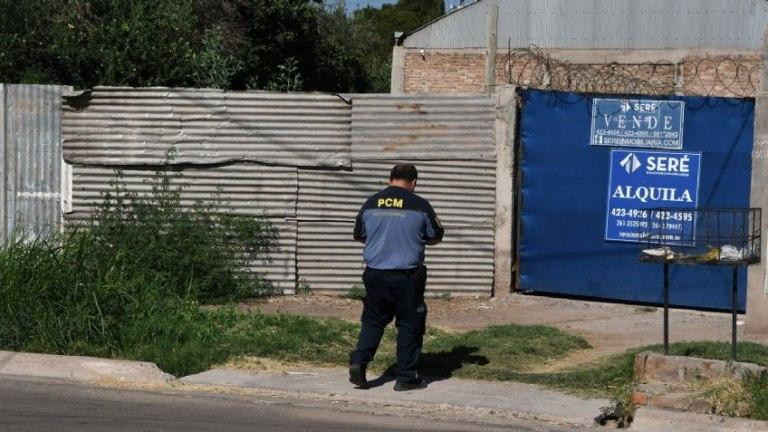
x=444, y=72
x=457, y=72
x=721, y=75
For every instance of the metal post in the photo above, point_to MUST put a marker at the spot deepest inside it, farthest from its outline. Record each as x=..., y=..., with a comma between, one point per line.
x=3, y=165
x=11, y=174
x=666, y=307
x=492, y=24
x=733, y=311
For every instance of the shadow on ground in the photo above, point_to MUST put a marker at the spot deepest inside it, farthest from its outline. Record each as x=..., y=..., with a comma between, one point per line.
x=437, y=366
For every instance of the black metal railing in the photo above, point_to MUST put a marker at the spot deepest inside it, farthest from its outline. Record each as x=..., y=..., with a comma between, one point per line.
x=701, y=236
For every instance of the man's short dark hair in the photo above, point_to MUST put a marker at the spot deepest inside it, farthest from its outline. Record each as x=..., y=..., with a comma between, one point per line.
x=404, y=171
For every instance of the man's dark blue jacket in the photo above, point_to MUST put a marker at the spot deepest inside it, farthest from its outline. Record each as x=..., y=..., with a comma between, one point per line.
x=395, y=224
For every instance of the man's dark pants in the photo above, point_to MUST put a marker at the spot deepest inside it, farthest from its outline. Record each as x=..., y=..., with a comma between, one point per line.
x=395, y=294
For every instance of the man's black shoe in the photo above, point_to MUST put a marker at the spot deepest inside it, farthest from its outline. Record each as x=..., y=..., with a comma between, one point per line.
x=357, y=375
x=412, y=384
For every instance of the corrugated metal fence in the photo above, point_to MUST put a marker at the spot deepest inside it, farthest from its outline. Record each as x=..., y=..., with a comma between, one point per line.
x=32, y=174
x=451, y=138
x=306, y=161
x=136, y=126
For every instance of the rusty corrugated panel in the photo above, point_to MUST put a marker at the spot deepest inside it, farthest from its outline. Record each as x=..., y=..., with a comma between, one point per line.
x=602, y=24
x=329, y=261
x=32, y=159
x=462, y=192
x=137, y=126
x=422, y=127
x=246, y=188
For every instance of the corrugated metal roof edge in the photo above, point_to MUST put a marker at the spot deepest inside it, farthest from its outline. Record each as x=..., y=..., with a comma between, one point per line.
x=80, y=98
x=404, y=36
x=402, y=39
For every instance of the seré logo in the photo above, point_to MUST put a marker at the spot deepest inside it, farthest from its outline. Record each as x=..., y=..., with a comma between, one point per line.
x=630, y=163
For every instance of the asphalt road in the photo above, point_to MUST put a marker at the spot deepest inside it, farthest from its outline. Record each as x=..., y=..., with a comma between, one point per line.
x=40, y=405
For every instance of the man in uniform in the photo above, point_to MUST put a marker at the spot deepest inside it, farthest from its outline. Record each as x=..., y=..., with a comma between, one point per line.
x=394, y=224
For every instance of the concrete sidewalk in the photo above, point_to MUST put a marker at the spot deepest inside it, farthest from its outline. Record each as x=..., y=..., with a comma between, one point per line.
x=657, y=420
x=481, y=399
x=486, y=401
x=79, y=368
x=499, y=399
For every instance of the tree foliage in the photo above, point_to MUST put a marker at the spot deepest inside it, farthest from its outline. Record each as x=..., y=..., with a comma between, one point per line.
x=381, y=25
x=233, y=44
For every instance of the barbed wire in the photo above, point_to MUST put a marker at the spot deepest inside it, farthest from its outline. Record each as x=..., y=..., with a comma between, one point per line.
x=727, y=76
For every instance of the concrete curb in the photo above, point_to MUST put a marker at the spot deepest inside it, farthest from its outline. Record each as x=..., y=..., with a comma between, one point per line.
x=655, y=420
x=457, y=396
x=467, y=397
x=79, y=368
x=498, y=400
x=657, y=367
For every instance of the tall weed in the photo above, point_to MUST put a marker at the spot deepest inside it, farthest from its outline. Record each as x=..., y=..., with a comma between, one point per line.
x=132, y=276
x=204, y=251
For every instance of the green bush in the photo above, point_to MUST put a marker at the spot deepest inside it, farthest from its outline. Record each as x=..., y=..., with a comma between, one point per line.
x=202, y=252
x=130, y=279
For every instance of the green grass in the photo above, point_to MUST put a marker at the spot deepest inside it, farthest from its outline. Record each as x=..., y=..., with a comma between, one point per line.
x=757, y=389
x=491, y=353
x=356, y=292
x=612, y=377
x=201, y=339
x=601, y=378
x=607, y=376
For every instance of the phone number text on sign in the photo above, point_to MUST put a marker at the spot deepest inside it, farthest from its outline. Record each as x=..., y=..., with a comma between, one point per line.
x=658, y=215
x=637, y=123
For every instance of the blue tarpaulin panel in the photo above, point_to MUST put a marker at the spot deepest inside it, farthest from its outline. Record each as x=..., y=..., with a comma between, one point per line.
x=564, y=189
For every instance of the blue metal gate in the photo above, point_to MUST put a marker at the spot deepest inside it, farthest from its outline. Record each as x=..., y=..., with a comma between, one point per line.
x=562, y=247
